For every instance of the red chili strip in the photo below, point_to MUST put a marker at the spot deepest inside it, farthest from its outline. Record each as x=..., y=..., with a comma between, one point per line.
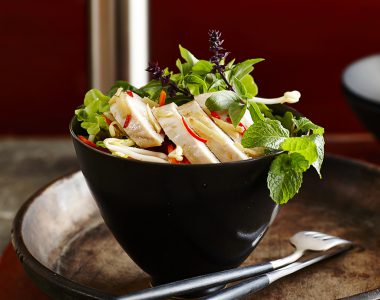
x=108, y=121
x=127, y=121
x=86, y=141
x=192, y=133
x=244, y=128
x=215, y=115
x=129, y=93
x=162, y=98
x=91, y=144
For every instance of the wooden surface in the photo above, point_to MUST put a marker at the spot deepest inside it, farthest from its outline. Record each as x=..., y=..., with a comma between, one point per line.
x=14, y=283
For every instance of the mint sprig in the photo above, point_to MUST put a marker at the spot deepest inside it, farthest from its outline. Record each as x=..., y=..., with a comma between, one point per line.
x=300, y=152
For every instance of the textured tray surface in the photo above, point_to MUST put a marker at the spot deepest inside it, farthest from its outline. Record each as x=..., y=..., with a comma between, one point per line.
x=346, y=203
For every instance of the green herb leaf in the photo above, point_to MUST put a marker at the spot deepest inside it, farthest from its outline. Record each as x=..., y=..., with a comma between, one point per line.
x=255, y=112
x=202, y=67
x=249, y=85
x=216, y=84
x=268, y=133
x=126, y=86
x=221, y=100
x=305, y=125
x=236, y=112
x=284, y=180
x=320, y=144
x=302, y=145
x=287, y=120
x=239, y=88
x=188, y=56
x=153, y=89
x=244, y=68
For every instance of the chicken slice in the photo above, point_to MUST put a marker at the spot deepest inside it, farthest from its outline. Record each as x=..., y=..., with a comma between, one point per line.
x=171, y=122
x=132, y=114
x=217, y=141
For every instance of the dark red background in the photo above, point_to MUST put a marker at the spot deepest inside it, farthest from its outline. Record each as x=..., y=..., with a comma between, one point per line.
x=43, y=54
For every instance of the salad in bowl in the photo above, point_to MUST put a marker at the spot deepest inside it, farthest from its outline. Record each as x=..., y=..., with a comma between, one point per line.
x=180, y=168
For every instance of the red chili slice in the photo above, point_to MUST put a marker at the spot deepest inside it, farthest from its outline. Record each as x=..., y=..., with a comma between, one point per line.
x=86, y=141
x=244, y=128
x=91, y=144
x=108, y=121
x=127, y=121
x=215, y=115
x=192, y=133
x=129, y=93
x=162, y=98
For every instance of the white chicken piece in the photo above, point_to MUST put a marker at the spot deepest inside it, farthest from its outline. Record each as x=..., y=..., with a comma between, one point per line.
x=132, y=114
x=172, y=124
x=217, y=141
x=229, y=129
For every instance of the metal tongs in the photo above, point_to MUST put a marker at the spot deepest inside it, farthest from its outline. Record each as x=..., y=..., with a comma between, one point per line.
x=302, y=241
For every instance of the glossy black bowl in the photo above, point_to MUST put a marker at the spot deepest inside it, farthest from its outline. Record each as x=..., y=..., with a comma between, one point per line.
x=178, y=221
x=361, y=86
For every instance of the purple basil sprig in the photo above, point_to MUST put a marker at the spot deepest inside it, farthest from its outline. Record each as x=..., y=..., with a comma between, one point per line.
x=214, y=38
x=158, y=74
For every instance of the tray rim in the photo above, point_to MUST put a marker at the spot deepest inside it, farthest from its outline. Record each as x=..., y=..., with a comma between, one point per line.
x=33, y=266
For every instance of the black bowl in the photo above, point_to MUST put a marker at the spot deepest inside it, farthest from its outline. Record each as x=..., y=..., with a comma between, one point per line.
x=178, y=221
x=361, y=86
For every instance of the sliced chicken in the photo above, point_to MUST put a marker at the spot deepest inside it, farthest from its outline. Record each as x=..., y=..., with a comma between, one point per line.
x=217, y=141
x=172, y=124
x=135, y=118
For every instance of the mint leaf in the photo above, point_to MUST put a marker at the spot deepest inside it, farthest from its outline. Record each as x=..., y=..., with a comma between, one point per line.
x=287, y=120
x=188, y=56
x=305, y=125
x=236, y=112
x=283, y=180
x=268, y=133
x=255, y=112
x=244, y=68
x=302, y=145
x=202, y=67
x=221, y=100
x=320, y=145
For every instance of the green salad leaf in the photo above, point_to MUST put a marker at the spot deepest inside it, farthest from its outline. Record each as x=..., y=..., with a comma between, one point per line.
x=95, y=104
